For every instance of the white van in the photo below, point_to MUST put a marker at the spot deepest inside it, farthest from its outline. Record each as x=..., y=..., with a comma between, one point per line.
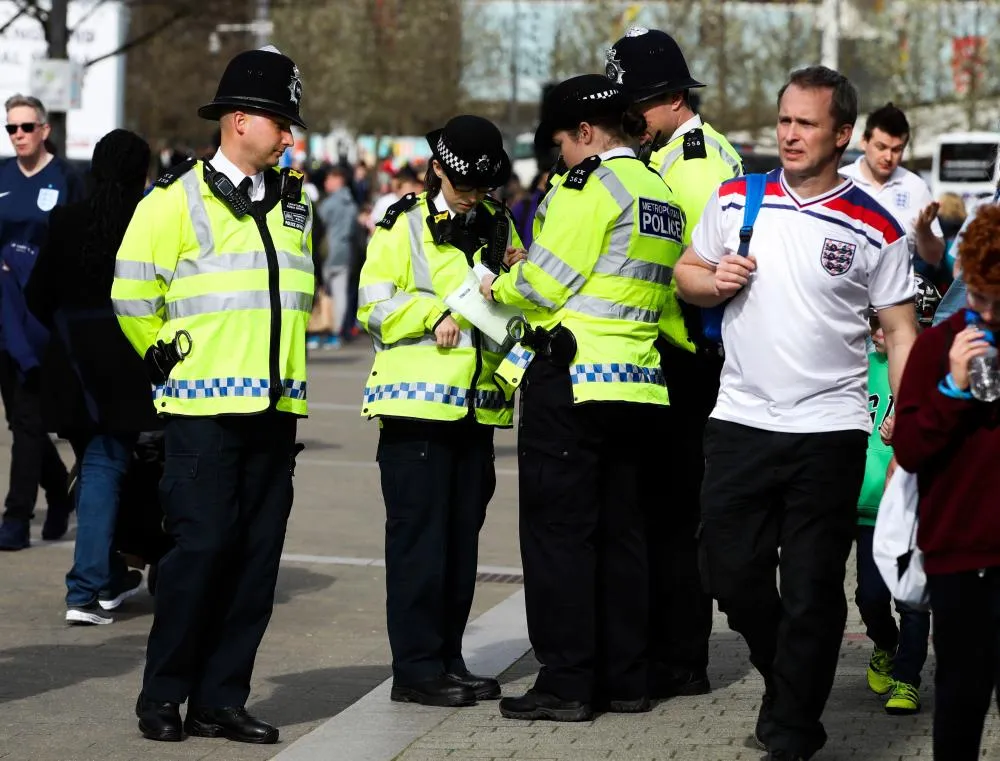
x=965, y=163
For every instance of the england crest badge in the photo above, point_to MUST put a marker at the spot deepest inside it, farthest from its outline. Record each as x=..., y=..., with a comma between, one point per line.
x=48, y=198
x=837, y=256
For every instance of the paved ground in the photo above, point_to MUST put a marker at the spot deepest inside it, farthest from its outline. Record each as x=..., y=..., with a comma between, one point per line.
x=66, y=694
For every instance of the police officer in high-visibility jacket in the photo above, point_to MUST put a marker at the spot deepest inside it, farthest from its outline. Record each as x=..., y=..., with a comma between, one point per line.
x=693, y=159
x=432, y=388
x=597, y=274
x=213, y=287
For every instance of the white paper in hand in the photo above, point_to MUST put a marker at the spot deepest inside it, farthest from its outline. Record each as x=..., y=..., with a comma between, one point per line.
x=488, y=316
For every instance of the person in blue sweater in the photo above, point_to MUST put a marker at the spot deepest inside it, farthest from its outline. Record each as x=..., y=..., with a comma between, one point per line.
x=32, y=183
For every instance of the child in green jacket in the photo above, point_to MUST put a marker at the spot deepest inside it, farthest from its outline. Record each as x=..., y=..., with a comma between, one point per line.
x=900, y=651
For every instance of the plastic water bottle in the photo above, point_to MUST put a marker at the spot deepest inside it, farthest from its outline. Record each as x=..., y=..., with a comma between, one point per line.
x=984, y=372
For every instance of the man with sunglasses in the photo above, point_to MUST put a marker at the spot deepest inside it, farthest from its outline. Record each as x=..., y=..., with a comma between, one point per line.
x=32, y=183
x=693, y=159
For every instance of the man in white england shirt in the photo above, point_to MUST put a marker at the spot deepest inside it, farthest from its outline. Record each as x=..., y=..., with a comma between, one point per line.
x=903, y=194
x=785, y=446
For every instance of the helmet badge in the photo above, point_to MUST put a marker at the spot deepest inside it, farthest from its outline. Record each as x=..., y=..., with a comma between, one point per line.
x=295, y=86
x=483, y=164
x=636, y=31
x=614, y=70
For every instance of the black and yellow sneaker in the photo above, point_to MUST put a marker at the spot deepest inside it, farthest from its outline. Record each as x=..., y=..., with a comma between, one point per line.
x=904, y=700
x=880, y=679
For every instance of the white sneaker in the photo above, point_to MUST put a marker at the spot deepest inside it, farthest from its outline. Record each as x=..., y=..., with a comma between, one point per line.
x=87, y=615
x=126, y=588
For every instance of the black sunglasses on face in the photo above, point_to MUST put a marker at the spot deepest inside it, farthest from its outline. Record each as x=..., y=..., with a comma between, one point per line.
x=26, y=127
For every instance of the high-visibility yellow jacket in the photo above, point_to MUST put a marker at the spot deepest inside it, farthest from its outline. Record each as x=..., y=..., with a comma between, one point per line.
x=188, y=263
x=600, y=265
x=405, y=278
x=693, y=164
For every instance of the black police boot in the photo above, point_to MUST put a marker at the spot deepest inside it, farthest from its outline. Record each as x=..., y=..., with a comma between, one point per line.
x=159, y=721
x=232, y=723
x=485, y=687
x=673, y=682
x=439, y=691
x=534, y=705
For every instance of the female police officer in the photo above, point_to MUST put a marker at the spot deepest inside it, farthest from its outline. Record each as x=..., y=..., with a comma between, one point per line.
x=598, y=270
x=432, y=387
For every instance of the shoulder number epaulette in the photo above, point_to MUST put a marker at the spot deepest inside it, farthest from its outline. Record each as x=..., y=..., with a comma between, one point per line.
x=694, y=144
x=401, y=206
x=178, y=170
x=577, y=176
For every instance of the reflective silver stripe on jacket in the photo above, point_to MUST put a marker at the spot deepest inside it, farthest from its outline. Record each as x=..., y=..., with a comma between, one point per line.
x=427, y=339
x=369, y=294
x=237, y=300
x=592, y=306
x=383, y=309
x=128, y=270
x=556, y=268
x=137, y=307
x=198, y=214
x=418, y=257
x=247, y=260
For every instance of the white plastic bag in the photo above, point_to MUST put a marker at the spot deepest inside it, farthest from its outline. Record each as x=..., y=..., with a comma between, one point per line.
x=894, y=545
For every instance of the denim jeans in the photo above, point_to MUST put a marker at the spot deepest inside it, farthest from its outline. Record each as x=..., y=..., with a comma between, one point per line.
x=909, y=640
x=103, y=465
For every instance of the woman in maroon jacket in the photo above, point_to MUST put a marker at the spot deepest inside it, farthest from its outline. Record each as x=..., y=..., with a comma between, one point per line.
x=952, y=442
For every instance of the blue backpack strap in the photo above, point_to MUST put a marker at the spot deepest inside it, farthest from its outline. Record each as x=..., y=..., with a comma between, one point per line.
x=754, y=199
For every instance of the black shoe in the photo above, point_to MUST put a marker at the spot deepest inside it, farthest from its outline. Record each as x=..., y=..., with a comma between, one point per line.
x=784, y=755
x=159, y=721
x=439, y=691
x=534, y=705
x=670, y=683
x=232, y=723
x=56, y=521
x=639, y=705
x=763, y=716
x=485, y=687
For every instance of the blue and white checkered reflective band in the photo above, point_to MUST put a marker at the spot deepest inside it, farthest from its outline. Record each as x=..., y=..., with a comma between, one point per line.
x=421, y=392
x=210, y=388
x=493, y=400
x=616, y=372
x=520, y=356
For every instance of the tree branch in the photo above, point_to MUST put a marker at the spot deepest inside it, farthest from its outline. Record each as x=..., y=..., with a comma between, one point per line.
x=10, y=22
x=144, y=37
x=33, y=8
x=70, y=32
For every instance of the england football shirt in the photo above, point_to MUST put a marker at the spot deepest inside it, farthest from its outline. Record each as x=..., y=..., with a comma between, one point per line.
x=795, y=335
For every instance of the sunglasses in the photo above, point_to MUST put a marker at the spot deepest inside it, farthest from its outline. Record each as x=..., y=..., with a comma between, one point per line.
x=26, y=127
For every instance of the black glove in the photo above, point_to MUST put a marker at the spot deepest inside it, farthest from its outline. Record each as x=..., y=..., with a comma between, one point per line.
x=160, y=359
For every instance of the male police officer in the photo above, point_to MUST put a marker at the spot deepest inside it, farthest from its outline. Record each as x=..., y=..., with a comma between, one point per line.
x=693, y=160
x=213, y=286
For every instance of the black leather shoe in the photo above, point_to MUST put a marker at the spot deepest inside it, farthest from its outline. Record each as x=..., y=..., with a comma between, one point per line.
x=485, y=687
x=534, y=705
x=232, y=723
x=670, y=683
x=439, y=691
x=159, y=721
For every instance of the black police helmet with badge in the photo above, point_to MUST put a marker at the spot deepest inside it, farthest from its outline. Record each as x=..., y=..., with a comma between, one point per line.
x=646, y=63
x=262, y=80
x=579, y=99
x=470, y=151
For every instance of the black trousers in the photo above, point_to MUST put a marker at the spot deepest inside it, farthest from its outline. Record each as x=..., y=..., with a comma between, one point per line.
x=766, y=491
x=34, y=459
x=680, y=614
x=583, y=544
x=966, y=608
x=437, y=479
x=227, y=493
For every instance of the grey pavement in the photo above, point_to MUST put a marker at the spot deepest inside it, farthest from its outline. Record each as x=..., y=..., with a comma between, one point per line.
x=67, y=694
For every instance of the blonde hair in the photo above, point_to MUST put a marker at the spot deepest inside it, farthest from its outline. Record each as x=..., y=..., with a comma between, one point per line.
x=952, y=207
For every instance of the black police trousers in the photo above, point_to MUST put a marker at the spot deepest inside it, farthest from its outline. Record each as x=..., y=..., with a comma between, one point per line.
x=583, y=543
x=34, y=459
x=226, y=493
x=680, y=608
x=767, y=491
x=437, y=479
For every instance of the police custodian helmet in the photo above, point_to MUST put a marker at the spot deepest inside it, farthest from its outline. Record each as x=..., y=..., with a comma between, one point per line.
x=262, y=80
x=646, y=63
x=470, y=150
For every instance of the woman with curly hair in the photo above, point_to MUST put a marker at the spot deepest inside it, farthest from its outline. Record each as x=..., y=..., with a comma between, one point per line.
x=95, y=386
x=951, y=442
